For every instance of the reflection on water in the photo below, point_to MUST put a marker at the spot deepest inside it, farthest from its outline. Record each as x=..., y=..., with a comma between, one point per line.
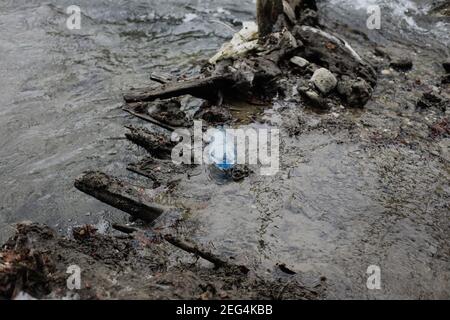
x=61, y=90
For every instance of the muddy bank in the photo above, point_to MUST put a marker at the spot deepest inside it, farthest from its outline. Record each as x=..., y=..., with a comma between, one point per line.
x=35, y=261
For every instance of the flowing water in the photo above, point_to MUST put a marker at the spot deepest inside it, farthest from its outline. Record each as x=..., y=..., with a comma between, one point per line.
x=61, y=90
x=60, y=114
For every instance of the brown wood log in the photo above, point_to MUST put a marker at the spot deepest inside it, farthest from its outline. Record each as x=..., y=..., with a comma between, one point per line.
x=134, y=200
x=267, y=12
x=205, y=88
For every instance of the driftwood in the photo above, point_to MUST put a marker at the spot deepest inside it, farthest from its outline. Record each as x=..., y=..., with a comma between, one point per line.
x=271, y=14
x=203, y=88
x=134, y=200
x=268, y=12
x=158, y=145
x=167, y=114
x=161, y=172
x=200, y=252
x=133, y=109
x=247, y=78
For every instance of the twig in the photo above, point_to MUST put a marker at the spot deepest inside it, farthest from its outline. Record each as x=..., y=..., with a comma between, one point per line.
x=192, y=248
x=147, y=118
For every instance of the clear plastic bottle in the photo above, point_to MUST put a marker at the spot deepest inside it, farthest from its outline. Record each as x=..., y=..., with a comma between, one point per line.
x=222, y=155
x=222, y=150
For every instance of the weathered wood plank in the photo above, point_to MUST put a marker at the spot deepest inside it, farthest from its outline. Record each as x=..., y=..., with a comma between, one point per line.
x=204, y=88
x=134, y=200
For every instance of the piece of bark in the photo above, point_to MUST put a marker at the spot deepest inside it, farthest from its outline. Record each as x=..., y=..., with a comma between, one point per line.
x=134, y=200
x=204, y=88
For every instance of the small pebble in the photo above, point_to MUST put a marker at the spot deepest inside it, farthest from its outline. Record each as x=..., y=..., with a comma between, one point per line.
x=299, y=61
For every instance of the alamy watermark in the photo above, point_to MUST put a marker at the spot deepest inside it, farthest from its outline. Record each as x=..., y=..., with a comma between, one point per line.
x=374, y=20
x=74, y=280
x=73, y=22
x=374, y=279
x=226, y=147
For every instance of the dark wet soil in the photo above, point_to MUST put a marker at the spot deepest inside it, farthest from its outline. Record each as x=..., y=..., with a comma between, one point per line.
x=36, y=261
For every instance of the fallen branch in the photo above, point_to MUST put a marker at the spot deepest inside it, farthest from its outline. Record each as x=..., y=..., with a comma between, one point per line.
x=131, y=109
x=134, y=200
x=208, y=256
x=205, y=88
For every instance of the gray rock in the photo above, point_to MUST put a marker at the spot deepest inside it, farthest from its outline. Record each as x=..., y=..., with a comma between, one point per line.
x=355, y=92
x=299, y=61
x=324, y=80
x=290, y=40
x=313, y=96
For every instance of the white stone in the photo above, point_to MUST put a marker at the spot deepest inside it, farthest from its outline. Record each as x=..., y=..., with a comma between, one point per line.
x=324, y=80
x=242, y=42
